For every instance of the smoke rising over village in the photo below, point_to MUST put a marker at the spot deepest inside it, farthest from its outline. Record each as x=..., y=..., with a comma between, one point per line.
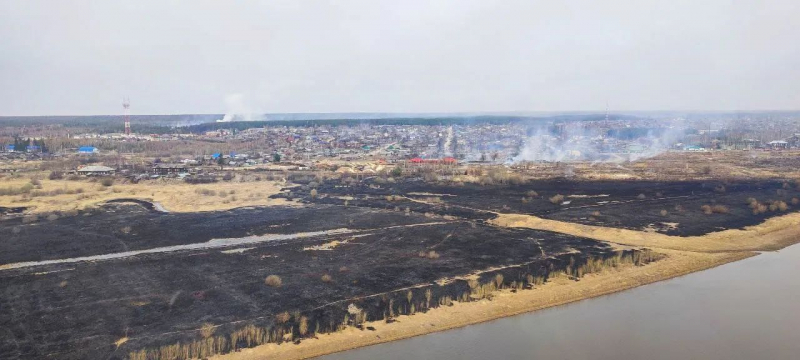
x=576, y=143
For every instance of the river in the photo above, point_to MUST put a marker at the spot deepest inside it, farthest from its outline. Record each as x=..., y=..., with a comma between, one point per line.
x=748, y=309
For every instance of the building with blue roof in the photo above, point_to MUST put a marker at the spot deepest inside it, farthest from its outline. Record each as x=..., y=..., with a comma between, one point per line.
x=87, y=150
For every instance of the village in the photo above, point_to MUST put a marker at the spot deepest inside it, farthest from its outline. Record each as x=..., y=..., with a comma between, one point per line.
x=365, y=146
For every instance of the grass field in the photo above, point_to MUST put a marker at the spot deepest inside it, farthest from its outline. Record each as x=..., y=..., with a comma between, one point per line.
x=173, y=195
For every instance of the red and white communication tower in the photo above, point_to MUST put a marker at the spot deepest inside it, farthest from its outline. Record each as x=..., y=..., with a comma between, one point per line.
x=126, y=104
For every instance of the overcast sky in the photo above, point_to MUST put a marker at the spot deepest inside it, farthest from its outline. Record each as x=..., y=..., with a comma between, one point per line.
x=169, y=57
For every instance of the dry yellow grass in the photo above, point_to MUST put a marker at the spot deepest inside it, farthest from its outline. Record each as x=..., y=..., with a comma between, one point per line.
x=775, y=233
x=121, y=341
x=560, y=291
x=173, y=195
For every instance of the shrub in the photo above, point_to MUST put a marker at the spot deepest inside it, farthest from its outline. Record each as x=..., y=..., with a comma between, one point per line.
x=227, y=177
x=207, y=330
x=719, y=209
x=344, y=269
x=313, y=193
x=759, y=208
x=778, y=206
x=26, y=189
x=706, y=209
x=664, y=213
x=36, y=182
x=273, y=280
x=326, y=278
x=720, y=189
x=52, y=217
x=200, y=179
x=557, y=199
x=433, y=255
x=795, y=201
x=498, y=280
x=302, y=326
x=596, y=213
x=531, y=193
x=396, y=172
x=641, y=196
x=282, y=317
x=205, y=192
x=107, y=182
x=56, y=175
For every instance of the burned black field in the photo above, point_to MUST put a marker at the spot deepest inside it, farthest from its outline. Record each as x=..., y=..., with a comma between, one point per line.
x=673, y=208
x=127, y=281
x=79, y=309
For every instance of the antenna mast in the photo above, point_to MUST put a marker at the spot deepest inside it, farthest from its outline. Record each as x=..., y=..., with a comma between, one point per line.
x=126, y=104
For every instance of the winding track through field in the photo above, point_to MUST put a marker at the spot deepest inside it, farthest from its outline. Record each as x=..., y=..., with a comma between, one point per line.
x=211, y=244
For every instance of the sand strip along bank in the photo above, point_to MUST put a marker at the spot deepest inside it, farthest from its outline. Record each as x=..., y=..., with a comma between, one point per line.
x=773, y=234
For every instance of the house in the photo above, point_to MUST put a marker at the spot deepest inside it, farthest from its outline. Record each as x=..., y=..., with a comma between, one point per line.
x=166, y=169
x=87, y=150
x=10, y=148
x=778, y=145
x=95, y=170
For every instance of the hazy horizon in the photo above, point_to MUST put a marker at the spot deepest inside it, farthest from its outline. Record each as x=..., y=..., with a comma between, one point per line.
x=76, y=58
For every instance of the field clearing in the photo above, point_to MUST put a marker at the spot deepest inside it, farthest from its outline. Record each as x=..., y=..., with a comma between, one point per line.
x=173, y=195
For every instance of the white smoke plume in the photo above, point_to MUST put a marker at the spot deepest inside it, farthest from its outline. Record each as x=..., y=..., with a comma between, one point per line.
x=238, y=110
x=577, y=143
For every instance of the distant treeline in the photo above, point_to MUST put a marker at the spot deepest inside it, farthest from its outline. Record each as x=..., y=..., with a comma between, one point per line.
x=635, y=133
x=441, y=121
x=243, y=125
x=199, y=123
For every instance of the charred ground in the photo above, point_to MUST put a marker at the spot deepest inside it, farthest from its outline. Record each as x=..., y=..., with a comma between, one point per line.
x=673, y=208
x=387, y=248
x=80, y=309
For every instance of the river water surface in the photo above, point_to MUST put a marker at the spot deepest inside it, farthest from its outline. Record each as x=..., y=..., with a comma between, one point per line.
x=748, y=309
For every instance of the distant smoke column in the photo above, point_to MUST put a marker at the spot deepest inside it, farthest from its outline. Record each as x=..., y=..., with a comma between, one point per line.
x=126, y=105
x=449, y=145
